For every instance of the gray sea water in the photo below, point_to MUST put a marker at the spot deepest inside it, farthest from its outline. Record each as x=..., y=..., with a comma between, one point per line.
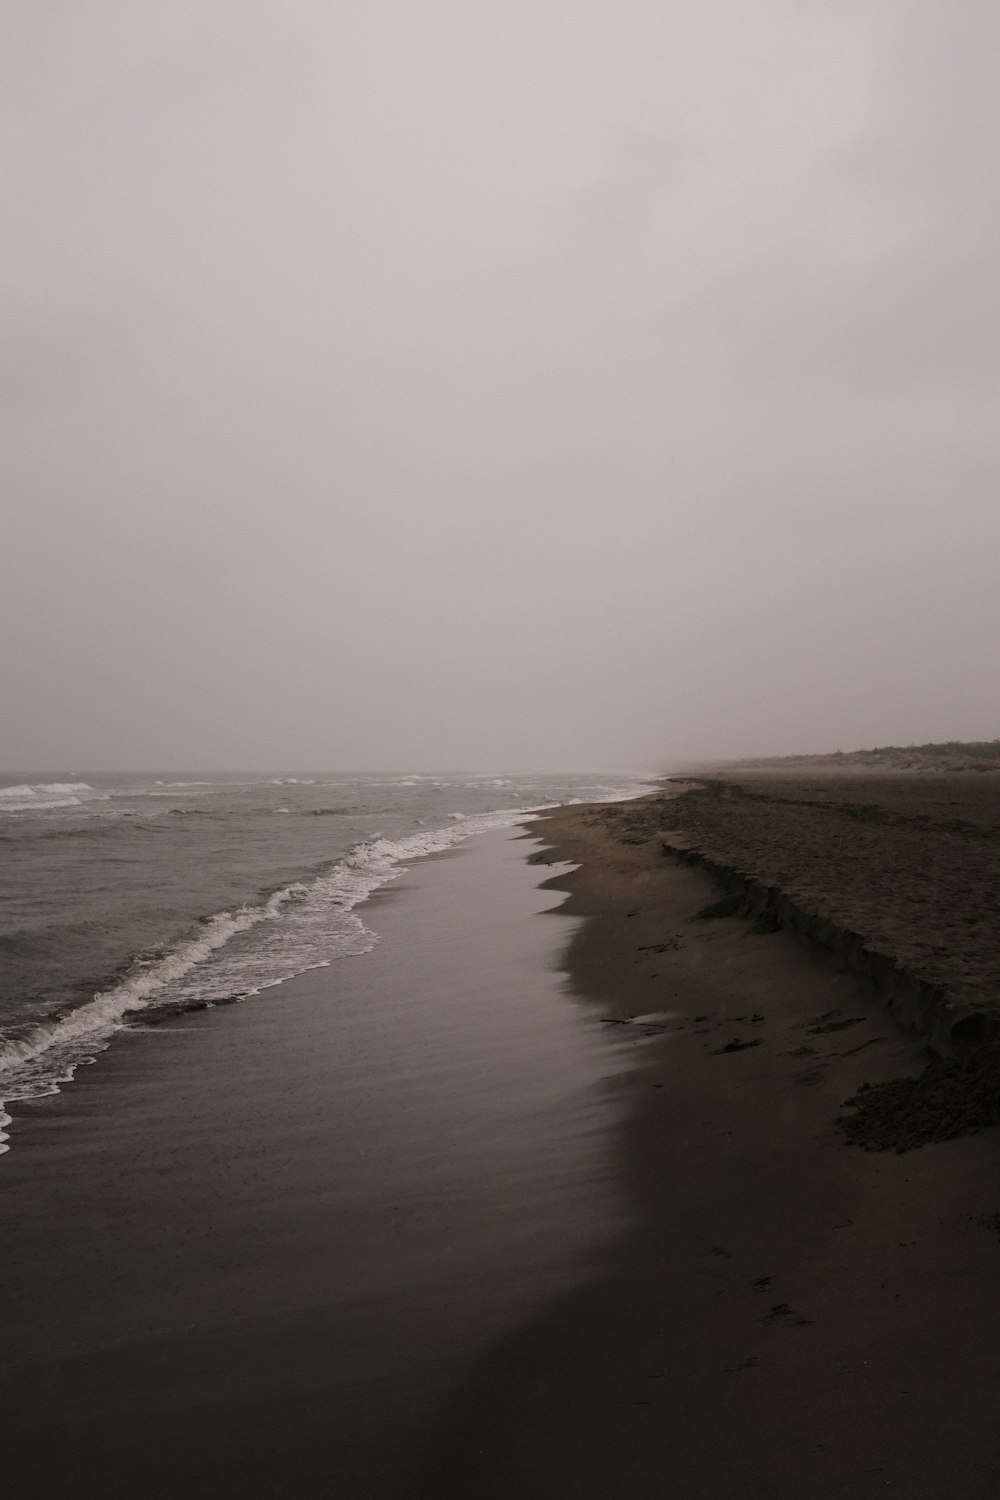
x=124, y=896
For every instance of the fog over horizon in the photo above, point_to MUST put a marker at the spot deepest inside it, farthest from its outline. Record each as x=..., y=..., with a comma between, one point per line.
x=540, y=386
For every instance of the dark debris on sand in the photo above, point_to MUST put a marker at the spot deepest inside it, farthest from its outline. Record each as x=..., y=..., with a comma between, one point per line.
x=951, y=1097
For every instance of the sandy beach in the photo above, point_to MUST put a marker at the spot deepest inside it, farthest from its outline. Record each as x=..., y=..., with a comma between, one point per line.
x=791, y=1315
x=558, y=1198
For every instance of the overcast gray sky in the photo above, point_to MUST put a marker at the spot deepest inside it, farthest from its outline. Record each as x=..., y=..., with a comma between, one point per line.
x=525, y=383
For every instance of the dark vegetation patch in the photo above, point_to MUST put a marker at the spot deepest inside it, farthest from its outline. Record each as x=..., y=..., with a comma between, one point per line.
x=985, y=749
x=951, y=1097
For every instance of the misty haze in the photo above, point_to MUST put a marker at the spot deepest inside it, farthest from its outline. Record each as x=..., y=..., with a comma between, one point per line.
x=530, y=386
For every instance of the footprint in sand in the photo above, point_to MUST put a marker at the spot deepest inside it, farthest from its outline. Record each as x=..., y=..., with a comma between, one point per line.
x=784, y=1316
x=836, y=1025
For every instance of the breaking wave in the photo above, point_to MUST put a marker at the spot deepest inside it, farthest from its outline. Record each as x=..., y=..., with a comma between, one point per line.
x=232, y=955
x=42, y=794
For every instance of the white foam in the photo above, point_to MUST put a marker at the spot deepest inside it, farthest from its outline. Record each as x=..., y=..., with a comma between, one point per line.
x=39, y=806
x=46, y=789
x=298, y=928
x=42, y=795
x=303, y=926
x=109, y=1007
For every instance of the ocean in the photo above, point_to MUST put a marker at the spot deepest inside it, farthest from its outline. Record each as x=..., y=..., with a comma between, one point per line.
x=125, y=898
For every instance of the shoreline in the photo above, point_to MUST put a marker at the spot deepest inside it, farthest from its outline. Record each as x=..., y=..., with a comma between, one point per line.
x=50, y=1048
x=257, y=1250
x=789, y=1315
x=735, y=1304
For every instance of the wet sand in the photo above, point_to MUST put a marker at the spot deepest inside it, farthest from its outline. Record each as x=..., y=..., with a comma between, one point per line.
x=790, y=1316
x=257, y=1251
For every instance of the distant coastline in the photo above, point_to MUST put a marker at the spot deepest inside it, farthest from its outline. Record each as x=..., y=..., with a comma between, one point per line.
x=947, y=755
